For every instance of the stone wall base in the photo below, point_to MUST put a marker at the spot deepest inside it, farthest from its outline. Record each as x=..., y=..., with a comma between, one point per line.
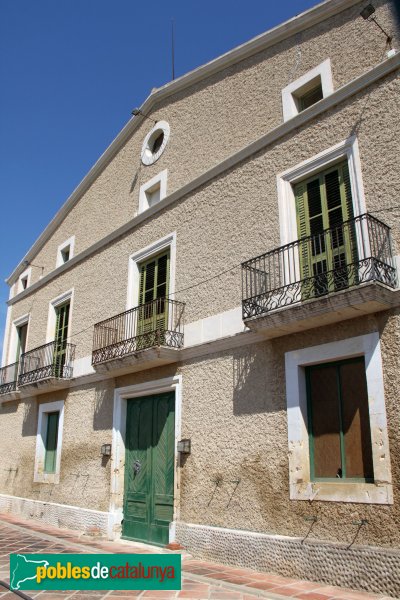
x=360, y=567
x=58, y=515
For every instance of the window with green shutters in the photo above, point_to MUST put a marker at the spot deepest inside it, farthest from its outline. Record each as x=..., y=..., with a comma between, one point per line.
x=323, y=205
x=153, y=289
x=338, y=421
x=22, y=333
x=61, y=337
x=50, y=457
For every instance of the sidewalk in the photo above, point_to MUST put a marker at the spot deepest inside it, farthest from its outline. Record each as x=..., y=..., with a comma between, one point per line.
x=201, y=580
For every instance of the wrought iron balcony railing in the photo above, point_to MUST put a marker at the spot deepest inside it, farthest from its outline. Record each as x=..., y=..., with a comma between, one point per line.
x=356, y=252
x=156, y=323
x=8, y=378
x=50, y=361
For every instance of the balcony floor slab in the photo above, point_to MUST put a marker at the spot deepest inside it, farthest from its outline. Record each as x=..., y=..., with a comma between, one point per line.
x=340, y=306
x=139, y=361
x=42, y=386
x=9, y=396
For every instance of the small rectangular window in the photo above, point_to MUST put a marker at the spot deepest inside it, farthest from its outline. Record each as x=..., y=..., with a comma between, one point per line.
x=50, y=458
x=65, y=252
x=153, y=195
x=339, y=427
x=311, y=97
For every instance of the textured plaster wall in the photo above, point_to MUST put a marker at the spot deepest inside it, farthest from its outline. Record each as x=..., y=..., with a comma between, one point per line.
x=234, y=411
x=231, y=219
x=85, y=475
x=212, y=119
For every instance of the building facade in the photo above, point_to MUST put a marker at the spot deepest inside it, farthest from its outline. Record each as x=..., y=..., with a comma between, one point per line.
x=209, y=349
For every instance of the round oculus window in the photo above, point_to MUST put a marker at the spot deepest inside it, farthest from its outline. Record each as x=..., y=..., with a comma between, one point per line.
x=155, y=142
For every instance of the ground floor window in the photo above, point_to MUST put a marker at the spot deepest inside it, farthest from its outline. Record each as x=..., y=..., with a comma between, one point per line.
x=336, y=415
x=338, y=421
x=49, y=442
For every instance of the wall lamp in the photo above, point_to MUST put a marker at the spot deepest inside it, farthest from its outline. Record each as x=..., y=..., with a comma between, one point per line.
x=184, y=446
x=137, y=112
x=105, y=450
x=366, y=14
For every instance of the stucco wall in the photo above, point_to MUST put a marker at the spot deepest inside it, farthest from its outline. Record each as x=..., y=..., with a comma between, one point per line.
x=212, y=119
x=232, y=218
x=84, y=475
x=234, y=411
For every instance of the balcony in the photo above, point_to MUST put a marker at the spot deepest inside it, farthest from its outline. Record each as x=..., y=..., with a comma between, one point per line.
x=8, y=382
x=49, y=366
x=341, y=273
x=143, y=337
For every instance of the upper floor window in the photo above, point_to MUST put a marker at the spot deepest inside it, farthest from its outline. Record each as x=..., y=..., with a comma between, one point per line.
x=24, y=280
x=153, y=191
x=307, y=90
x=65, y=251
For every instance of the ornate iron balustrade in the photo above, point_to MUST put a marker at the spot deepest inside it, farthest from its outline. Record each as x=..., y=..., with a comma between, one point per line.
x=156, y=323
x=53, y=360
x=356, y=252
x=8, y=378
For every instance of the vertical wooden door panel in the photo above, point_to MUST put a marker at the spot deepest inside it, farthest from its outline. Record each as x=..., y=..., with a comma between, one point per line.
x=149, y=468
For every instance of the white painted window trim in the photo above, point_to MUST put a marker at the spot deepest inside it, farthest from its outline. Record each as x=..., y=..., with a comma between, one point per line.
x=135, y=259
x=121, y=396
x=160, y=178
x=12, y=352
x=323, y=70
x=148, y=158
x=39, y=474
x=26, y=274
x=69, y=242
x=286, y=199
x=51, y=320
x=300, y=484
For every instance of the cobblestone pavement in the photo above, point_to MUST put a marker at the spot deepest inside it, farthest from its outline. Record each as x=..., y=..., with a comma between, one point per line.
x=201, y=580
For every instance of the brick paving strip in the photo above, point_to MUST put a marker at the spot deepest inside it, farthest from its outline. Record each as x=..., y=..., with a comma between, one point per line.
x=202, y=580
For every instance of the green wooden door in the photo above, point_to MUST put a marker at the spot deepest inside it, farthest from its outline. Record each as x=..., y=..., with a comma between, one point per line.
x=61, y=336
x=149, y=468
x=323, y=204
x=153, y=317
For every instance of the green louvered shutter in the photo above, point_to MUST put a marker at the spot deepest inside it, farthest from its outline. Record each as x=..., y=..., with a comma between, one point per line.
x=303, y=229
x=323, y=204
x=60, y=337
x=50, y=457
x=154, y=281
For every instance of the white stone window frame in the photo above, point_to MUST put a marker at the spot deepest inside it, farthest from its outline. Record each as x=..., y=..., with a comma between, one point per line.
x=121, y=397
x=323, y=71
x=300, y=485
x=168, y=242
x=147, y=156
x=51, y=320
x=345, y=150
x=158, y=180
x=70, y=242
x=44, y=409
x=27, y=274
x=19, y=322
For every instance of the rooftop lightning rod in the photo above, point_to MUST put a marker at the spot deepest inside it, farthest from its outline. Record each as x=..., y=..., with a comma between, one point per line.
x=173, y=47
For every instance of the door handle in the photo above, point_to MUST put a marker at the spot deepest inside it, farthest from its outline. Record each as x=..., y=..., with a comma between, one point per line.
x=136, y=466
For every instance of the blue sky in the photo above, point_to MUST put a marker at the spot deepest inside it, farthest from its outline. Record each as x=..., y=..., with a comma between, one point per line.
x=72, y=70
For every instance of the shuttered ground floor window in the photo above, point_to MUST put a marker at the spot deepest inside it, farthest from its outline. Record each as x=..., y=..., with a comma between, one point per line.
x=50, y=457
x=338, y=420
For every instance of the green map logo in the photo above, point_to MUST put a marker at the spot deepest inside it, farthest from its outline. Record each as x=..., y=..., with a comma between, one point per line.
x=95, y=572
